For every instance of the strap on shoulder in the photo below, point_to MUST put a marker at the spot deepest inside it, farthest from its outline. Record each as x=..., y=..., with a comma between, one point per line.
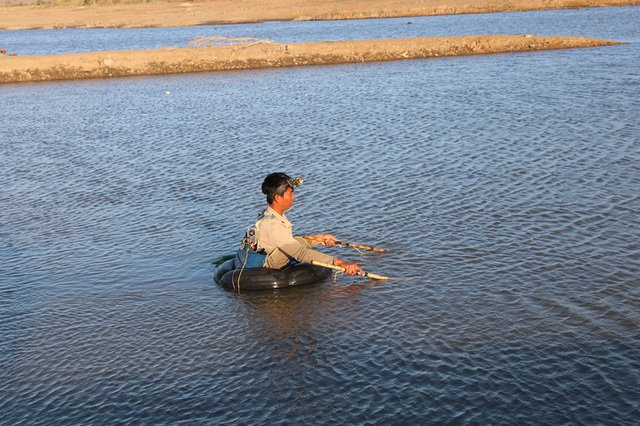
x=264, y=215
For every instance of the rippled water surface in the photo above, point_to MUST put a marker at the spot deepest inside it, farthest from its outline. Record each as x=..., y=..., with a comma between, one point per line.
x=505, y=188
x=620, y=23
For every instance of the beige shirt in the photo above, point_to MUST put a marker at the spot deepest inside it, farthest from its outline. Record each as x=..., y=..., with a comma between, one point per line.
x=275, y=236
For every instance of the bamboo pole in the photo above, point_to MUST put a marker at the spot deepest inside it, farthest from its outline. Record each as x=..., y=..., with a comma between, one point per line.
x=344, y=243
x=341, y=269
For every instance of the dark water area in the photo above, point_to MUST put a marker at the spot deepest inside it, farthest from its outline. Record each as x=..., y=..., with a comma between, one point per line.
x=505, y=188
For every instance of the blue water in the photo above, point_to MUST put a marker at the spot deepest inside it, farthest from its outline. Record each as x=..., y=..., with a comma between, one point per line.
x=504, y=186
x=619, y=23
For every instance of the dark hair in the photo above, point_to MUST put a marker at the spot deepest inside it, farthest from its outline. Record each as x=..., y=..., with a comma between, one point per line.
x=275, y=183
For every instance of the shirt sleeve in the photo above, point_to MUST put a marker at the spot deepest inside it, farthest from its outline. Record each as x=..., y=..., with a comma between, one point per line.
x=303, y=254
x=274, y=235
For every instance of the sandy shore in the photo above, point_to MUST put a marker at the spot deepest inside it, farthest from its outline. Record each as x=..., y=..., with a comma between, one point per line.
x=263, y=54
x=187, y=13
x=267, y=55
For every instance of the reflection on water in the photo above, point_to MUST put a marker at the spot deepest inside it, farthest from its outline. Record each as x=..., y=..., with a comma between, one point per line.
x=504, y=187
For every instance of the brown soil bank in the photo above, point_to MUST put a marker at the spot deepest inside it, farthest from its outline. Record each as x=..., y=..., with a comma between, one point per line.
x=204, y=12
x=268, y=55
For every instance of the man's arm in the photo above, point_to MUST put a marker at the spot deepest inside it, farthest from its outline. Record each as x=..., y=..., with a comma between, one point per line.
x=301, y=253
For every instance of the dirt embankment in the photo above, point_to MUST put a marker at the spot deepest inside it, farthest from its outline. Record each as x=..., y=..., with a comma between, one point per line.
x=263, y=54
x=196, y=12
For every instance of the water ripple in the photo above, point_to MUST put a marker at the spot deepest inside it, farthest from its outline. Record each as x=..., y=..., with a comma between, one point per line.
x=508, y=205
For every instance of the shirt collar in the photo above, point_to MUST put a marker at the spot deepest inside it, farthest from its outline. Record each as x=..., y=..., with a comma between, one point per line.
x=281, y=217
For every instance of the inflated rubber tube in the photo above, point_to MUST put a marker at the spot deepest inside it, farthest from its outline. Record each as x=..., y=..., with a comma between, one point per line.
x=230, y=276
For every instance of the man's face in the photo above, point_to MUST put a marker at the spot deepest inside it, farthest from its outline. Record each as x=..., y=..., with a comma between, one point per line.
x=286, y=200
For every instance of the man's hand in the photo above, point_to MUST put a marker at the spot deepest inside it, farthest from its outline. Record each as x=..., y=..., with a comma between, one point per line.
x=326, y=240
x=349, y=268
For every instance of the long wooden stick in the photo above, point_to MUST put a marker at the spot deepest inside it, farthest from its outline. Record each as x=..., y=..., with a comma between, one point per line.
x=341, y=269
x=344, y=243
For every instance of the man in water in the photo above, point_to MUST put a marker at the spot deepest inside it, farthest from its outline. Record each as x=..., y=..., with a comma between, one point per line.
x=275, y=233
